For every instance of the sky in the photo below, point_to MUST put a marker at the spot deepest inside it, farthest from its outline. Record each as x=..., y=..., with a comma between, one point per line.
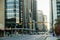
x=44, y=5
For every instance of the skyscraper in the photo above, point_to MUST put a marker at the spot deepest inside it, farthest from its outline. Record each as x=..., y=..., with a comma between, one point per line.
x=30, y=14
x=18, y=15
x=45, y=23
x=13, y=11
x=40, y=20
x=34, y=11
x=2, y=17
x=55, y=11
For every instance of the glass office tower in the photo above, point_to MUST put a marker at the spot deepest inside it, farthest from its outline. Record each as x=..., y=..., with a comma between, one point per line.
x=13, y=10
x=18, y=16
x=10, y=12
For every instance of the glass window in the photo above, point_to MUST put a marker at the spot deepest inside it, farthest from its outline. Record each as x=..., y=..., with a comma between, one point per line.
x=10, y=11
x=58, y=16
x=8, y=7
x=58, y=12
x=9, y=0
x=58, y=5
x=58, y=2
x=17, y=0
x=10, y=15
x=11, y=7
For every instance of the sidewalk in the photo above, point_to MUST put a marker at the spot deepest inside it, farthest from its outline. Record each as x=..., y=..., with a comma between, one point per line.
x=51, y=38
x=30, y=37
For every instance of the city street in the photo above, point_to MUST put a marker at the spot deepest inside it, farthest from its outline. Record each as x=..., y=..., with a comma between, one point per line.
x=29, y=19
x=29, y=37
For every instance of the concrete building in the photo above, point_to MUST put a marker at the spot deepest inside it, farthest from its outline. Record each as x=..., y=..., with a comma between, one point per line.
x=55, y=11
x=30, y=14
x=42, y=23
x=40, y=20
x=16, y=16
x=2, y=17
x=45, y=23
x=34, y=11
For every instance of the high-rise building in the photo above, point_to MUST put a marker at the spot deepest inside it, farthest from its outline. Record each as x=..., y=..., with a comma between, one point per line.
x=40, y=20
x=34, y=11
x=2, y=17
x=29, y=14
x=17, y=16
x=13, y=16
x=55, y=11
x=45, y=23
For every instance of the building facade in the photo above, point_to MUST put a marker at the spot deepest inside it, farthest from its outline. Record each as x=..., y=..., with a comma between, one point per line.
x=55, y=11
x=13, y=16
x=40, y=20
x=29, y=14
x=2, y=17
x=45, y=23
x=17, y=16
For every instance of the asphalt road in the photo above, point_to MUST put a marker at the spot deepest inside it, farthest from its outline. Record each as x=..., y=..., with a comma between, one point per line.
x=29, y=37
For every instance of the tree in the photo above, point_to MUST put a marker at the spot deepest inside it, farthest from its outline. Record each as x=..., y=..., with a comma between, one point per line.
x=57, y=27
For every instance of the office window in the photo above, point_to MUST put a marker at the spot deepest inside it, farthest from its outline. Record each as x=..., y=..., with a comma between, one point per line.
x=10, y=9
x=9, y=0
